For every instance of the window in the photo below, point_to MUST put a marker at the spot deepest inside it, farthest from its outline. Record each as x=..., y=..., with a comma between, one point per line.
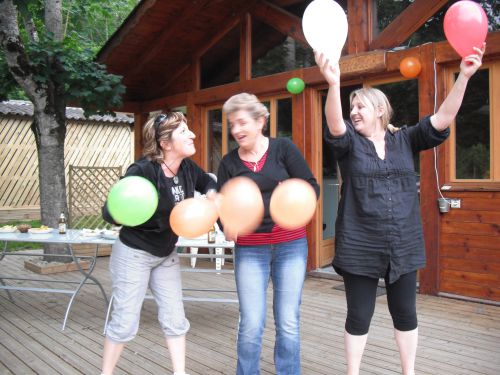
x=214, y=125
x=225, y=53
x=475, y=138
x=273, y=52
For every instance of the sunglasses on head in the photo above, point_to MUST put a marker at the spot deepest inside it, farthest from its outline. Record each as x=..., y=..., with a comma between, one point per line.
x=158, y=121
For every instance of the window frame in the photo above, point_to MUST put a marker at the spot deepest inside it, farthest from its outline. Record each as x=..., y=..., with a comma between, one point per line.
x=493, y=183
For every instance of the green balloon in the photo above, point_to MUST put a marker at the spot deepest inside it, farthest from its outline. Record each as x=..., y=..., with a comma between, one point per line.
x=295, y=85
x=132, y=201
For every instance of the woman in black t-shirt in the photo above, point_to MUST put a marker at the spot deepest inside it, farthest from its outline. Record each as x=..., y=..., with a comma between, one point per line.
x=144, y=255
x=378, y=227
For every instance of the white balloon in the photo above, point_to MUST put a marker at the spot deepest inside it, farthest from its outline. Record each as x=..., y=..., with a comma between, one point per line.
x=324, y=24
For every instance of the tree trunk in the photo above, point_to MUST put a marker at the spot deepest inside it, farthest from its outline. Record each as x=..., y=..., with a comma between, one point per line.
x=50, y=135
x=49, y=124
x=53, y=18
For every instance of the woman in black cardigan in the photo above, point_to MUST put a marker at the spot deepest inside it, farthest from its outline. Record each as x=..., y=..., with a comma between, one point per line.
x=144, y=255
x=270, y=252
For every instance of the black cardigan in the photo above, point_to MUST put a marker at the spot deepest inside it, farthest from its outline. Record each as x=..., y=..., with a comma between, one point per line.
x=284, y=161
x=155, y=235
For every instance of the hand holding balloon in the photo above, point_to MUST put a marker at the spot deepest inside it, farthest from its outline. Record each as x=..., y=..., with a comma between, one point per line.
x=329, y=71
x=470, y=64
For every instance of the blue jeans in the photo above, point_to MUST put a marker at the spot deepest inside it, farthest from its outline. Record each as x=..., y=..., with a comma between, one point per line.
x=285, y=264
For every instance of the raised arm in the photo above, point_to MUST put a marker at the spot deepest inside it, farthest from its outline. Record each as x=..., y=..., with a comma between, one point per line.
x=333, y=106
x=449, y=108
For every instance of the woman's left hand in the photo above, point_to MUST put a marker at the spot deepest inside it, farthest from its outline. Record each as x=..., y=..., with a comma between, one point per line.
x=470, y=64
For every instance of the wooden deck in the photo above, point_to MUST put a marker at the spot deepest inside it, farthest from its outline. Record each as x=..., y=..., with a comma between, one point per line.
x=456, y=337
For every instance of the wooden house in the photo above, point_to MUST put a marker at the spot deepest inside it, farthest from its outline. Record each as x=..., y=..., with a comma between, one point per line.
x=193, y=55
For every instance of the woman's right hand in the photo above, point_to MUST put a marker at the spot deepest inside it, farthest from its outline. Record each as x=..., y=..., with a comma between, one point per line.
x=329, y=71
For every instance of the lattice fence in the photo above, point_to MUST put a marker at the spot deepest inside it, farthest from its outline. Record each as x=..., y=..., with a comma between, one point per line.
x=87, y=144
x=88, y=189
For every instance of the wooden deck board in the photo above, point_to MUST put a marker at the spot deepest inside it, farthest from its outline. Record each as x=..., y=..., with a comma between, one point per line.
x=456, y=337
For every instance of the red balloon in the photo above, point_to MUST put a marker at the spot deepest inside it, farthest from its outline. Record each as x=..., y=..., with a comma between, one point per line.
x=465, y=26
x=240, y=206
x=410, y=67
x=293, y=203
x=193, y=217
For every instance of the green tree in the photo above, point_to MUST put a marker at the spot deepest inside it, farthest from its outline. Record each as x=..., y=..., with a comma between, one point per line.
x=51, y=66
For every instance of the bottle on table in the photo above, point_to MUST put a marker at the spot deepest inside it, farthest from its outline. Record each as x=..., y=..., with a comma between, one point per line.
x=62, y=224
x=211, y=234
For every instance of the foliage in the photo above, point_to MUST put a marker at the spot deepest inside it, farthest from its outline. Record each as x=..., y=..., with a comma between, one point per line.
x=8, y=86
x=87, y=26
x=432, y=30
x=95, y=20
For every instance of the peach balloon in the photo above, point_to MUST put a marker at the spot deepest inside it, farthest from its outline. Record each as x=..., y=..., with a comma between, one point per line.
x=193, y=217
x=293, y=203
x=241, y=208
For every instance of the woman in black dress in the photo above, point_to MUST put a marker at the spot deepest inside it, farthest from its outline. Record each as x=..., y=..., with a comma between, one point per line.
x=378, y=229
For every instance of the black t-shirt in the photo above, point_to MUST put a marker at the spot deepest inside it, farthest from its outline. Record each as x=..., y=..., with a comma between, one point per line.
x=155, y=235
x=378, y=222
x=176, y=190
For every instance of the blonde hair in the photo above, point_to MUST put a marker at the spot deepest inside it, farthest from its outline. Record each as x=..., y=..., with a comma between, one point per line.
x=246, y=102
x=160, y=128
x=374, y=98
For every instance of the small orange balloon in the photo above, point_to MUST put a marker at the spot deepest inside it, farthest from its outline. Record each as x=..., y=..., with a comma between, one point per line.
x=293, y=203
x=410, y=67
x=241, y=208
x=193, y=217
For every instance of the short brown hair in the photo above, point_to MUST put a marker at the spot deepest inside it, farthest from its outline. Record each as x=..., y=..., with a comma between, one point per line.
x=246, y=102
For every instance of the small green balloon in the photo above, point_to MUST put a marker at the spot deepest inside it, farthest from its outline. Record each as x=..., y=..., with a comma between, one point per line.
x=132, y=201
x=295, y=85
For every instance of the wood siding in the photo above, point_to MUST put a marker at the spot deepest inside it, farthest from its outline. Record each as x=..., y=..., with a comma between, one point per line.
x=469, y=246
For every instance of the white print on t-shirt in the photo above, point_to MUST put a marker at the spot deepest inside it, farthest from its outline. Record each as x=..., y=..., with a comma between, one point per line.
x=178, y=193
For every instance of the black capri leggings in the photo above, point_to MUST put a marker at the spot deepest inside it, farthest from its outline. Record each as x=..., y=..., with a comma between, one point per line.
x=361, y=292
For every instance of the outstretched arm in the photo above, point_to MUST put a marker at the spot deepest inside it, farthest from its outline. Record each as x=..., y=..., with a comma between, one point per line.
x=333, y=107
x=449, y=108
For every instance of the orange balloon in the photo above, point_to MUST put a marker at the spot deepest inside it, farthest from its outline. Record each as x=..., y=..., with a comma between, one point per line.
x=241, y=208
x=193, y=217
x=293, y=203
x=410, y=67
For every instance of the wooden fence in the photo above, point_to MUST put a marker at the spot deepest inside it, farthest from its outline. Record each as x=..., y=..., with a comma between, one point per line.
x=88, y=144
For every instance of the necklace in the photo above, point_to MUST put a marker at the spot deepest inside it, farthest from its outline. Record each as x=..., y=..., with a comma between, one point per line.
x=175, y=178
